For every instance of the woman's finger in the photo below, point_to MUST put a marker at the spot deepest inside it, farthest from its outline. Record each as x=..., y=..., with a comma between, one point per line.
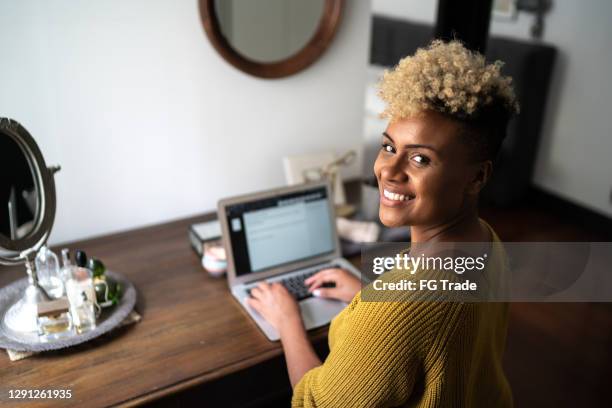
x=254, y=303
x=312, y=278
x=257, y=292
x=325, y=273
x=317, y=284
x=320, y=281
x=278, y=287
x=262, y=289
x=326, y=293
x=333, y=277
x=254, y=291
x=263, y=285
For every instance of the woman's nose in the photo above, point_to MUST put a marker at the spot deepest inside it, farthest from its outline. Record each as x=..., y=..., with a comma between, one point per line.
x=393, y=170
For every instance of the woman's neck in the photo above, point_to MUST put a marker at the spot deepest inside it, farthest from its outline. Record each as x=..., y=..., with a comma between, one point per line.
x=464, y=227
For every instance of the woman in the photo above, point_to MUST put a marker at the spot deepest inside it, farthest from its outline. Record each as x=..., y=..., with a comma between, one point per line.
x=448, y=111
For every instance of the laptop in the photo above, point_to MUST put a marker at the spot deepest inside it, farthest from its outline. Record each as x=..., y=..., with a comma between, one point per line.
x=283, y=235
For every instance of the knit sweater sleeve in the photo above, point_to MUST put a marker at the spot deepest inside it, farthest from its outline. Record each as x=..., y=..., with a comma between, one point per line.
x=373, y=363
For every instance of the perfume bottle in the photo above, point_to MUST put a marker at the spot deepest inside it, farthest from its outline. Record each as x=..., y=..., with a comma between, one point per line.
x=54, y=319
x=47, y=269
x=66, y=271
x=81, y=294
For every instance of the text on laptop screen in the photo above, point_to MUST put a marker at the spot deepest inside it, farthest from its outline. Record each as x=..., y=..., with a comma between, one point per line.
x=279, y=230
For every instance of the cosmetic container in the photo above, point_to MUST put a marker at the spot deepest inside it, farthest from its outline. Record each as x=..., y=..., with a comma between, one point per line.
x=47, y=269
x=54, y=320
x=82, y=298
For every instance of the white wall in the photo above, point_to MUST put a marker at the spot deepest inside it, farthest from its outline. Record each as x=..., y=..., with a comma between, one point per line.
x=146, y=119
x=423, y=11
x=574, y=155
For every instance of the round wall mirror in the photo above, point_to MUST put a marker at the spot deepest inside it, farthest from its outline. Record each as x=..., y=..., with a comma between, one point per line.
x=270, y=38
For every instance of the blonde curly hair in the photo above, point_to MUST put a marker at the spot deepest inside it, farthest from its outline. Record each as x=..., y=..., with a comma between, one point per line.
x=448, y=78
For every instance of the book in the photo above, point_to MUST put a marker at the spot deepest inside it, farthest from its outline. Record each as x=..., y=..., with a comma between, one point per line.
x=203, y=232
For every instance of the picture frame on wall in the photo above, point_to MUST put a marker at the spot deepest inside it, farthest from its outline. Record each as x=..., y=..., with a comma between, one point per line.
x=304, y=168
x=504, y=10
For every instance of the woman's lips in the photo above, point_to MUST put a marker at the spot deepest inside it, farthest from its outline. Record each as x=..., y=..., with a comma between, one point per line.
x=392, y=199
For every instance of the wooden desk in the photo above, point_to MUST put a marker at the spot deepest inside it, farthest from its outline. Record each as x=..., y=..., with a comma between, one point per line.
x=192, y=331
x=193, y=335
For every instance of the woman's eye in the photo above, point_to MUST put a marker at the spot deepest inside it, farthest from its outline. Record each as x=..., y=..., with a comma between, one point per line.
x=420, y=159
x=388, y=148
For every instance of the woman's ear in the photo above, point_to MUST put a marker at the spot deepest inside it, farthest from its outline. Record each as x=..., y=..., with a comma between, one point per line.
x=481, y=177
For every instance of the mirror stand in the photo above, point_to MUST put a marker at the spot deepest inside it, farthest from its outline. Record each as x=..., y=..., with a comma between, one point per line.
x=22, y=315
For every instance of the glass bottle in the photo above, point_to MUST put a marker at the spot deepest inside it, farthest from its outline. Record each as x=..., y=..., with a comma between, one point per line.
x=82, y=297
x=54, y=319
x=65, y=272
x=47, y=269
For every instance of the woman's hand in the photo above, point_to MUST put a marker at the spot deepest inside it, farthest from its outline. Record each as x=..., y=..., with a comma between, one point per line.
x=280, y=309
x=275, y=304
x=346, y=285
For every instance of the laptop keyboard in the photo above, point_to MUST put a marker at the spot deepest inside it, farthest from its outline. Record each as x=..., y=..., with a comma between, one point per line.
x=296, y=286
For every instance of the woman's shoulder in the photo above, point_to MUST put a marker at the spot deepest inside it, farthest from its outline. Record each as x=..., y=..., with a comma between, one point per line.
x=400, y=300
x=401, y=311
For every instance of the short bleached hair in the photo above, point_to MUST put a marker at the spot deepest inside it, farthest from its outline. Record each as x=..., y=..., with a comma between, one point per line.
x=448, y=78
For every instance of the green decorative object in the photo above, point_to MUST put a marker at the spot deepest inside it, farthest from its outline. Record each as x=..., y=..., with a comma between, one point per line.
x=97, y=267
x=108, y=291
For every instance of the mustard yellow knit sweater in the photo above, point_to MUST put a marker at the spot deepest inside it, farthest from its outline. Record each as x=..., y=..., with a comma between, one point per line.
x=413, y=354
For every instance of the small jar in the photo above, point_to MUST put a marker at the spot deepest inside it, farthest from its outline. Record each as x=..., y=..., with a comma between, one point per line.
x=214, y=259
x=54, y=320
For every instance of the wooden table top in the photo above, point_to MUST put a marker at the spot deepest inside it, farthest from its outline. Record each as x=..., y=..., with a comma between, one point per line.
x=192, y=330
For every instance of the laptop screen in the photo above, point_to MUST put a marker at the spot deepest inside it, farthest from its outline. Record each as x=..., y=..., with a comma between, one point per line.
x=279, y=230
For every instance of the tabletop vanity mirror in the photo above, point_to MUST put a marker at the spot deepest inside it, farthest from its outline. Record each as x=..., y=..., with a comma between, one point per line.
x=270, y=38
x=27, y=211
x=33, y=317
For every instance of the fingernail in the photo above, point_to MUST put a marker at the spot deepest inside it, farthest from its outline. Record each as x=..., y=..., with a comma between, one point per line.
x=316, y=292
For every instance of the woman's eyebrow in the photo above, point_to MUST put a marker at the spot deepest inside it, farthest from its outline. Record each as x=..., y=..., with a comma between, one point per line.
x=385, y=134
x=412, y=146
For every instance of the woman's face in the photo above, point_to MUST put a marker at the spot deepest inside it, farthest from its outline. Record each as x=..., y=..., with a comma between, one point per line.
x=425, y=175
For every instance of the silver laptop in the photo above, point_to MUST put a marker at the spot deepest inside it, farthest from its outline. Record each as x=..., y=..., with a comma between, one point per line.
x=283, y=235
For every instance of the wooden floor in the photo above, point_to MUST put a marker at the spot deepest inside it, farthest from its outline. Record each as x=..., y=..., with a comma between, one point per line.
x=557, y=355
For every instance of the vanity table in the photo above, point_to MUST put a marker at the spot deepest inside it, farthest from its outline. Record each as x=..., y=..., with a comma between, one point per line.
x=192, y=334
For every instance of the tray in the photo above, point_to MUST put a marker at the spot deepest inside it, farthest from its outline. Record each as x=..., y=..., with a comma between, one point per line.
x=108, y=320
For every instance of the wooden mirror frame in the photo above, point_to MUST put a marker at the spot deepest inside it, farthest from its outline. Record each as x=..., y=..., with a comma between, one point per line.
x=328, y=25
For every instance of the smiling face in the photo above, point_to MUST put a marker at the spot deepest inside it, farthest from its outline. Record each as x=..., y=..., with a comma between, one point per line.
x=426, y=174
